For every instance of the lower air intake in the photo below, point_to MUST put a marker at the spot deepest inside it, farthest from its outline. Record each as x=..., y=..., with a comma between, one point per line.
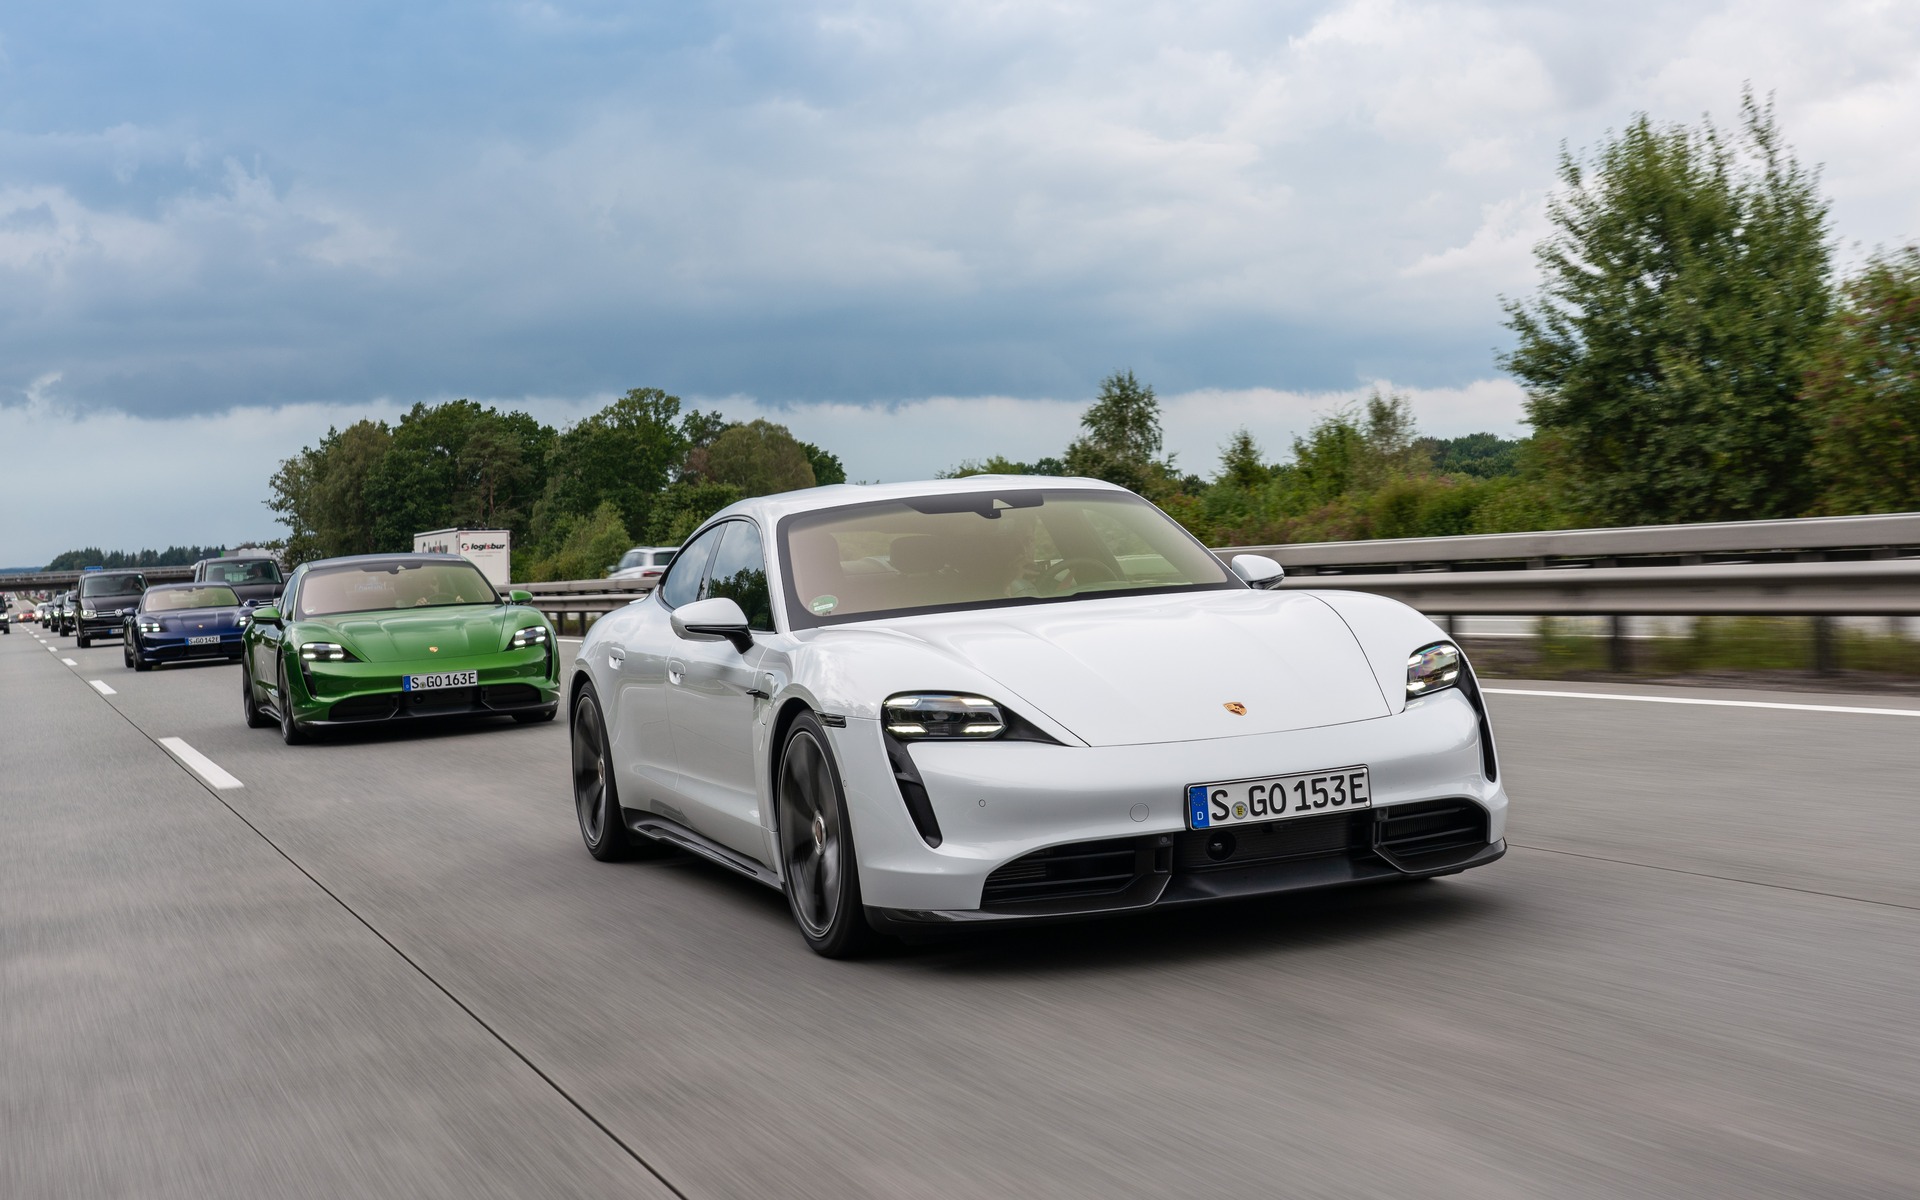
x=1076, y=871
x=1430, y=835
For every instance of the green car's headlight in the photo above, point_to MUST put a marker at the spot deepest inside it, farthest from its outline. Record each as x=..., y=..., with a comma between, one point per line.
x=532, y=635
x=1432, y=668
x=324, y=652
x=927, y=716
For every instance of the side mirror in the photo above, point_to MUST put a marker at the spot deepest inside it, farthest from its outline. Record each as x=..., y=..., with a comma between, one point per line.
x=1258, y=570
x=718, y=619
x=267, y=614
x=516, y=596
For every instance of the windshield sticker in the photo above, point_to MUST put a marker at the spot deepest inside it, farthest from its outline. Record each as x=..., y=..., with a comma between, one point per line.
x=822, y=605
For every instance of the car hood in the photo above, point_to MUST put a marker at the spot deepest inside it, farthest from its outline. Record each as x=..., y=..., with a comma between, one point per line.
x=417, y=635
x=1133, y=670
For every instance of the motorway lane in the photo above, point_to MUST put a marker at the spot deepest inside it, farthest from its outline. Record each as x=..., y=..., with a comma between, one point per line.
x=184, y=1013
x=1606, y=1012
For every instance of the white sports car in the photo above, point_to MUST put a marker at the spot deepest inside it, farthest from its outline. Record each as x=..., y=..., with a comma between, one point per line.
x=1008, y=698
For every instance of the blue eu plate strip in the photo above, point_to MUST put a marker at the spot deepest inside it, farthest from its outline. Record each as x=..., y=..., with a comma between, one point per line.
x=1197, y=802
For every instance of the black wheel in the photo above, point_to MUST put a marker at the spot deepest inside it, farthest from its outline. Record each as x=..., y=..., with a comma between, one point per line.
x=290, y=733
x=816, y=846
x=596, y=798
x=249, y=704
x=126, y=653
x=537, y=718
x=81, y=639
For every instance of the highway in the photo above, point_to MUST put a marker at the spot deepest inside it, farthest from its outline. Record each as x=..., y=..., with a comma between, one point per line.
x=383, y=966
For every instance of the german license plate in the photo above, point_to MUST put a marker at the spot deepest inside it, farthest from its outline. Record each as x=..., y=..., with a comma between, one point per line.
x=212, y=639
x=446, y=679
x=1277, y=797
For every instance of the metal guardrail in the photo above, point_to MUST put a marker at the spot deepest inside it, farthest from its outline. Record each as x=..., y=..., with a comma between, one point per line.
x=573, y=604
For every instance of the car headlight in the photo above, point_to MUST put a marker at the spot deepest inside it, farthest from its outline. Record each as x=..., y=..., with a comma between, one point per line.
x=149, y=627
x=1431, y=668
x=324, y=652
x=87, y=612
x=931, y=715
x=532, y=635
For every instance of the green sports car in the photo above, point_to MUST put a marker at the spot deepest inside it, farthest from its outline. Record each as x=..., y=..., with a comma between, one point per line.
x=387, y=637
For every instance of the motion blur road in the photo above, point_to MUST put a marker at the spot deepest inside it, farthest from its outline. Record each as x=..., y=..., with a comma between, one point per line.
x=384, y=966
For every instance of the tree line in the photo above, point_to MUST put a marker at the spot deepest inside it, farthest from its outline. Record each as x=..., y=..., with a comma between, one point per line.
x=639, y=471
x=1689, y=356
x=172, y=556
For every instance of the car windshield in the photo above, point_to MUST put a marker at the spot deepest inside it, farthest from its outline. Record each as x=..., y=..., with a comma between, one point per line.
x=243, y=570
x=113, y=585
x=984, y=549
x=380, y=587
x=173, y=599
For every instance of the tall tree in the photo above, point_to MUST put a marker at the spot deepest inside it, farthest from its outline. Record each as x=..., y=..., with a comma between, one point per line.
x=1122, y=439
x=455, y=464
x=759, y=458
x=1685, y=277
x=1864, y=388
x=625, y=453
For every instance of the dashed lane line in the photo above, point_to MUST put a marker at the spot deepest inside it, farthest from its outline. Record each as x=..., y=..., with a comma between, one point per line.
x=210, y=772
x=69, y=662
x=1829, y=708
x=100, y=685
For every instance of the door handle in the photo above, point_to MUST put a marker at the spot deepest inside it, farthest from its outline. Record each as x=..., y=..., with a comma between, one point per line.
x=616, y=655
x=676, y=670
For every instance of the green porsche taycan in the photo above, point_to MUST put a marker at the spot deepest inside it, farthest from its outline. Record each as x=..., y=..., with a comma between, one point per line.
x=379, y=638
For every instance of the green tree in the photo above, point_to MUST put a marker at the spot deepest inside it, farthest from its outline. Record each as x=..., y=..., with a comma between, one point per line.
x=683, y=507
x=457, y=464
x=759, y=458
x=624, y=454
x=1687, y=274
x=827, y=468
x=1122, y=441
x=1864, y=391
x=588, y=546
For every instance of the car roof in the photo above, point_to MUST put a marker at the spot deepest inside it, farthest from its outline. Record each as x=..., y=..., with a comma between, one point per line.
x=385, y=560
x=768, y=509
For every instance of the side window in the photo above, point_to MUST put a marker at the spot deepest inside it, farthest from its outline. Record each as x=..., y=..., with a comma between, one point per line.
x=682, y=584
x=740, y=574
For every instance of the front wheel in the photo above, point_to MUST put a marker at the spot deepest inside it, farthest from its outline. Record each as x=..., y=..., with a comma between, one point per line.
x=290, y=732
x=817, y=858
x=81, y=639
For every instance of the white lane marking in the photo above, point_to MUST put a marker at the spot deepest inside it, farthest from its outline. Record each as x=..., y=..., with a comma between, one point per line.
x=53, y=649
x=69, y=662
x=99, y=685
x=1832, y=708
x=199, y=764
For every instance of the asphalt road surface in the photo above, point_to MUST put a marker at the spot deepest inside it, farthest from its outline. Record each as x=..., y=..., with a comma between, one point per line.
x=384, y=966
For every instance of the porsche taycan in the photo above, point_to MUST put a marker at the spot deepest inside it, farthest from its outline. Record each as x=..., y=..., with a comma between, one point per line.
x=183, y=622
x=380, y=638
x=917, y=707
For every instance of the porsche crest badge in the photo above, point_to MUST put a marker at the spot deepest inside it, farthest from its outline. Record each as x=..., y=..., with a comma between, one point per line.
x=1235, y=707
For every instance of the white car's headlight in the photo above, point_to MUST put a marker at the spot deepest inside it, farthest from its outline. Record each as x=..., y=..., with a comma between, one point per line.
x=324, y=652
x=1432, y=668
x=532, y=635
x=932, y=715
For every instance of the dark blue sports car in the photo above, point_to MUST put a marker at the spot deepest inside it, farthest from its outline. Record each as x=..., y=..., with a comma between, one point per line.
x=183, y=622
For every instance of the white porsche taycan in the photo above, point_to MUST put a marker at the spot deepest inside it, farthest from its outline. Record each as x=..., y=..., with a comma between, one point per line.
x=1009, y=698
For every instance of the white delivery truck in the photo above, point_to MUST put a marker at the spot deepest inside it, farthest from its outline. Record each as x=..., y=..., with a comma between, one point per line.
x=489, y=549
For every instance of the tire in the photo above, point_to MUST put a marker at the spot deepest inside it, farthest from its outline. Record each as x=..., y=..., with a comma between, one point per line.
x=817, y=858
x=81, y=639
x=249, y=704
x=596, y=797
x=537, y=718
x=290, y=732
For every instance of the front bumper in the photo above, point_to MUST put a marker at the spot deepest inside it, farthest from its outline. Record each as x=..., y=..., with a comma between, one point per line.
x=159, y=648
x=330, y=694
x=113, y=626
x=1006, y=809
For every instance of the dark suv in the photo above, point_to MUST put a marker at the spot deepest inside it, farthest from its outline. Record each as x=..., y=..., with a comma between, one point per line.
x=105, y=599
x=255, y=578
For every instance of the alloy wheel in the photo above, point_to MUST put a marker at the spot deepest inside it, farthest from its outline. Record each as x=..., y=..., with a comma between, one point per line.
x=811, y=834
x=589, y=773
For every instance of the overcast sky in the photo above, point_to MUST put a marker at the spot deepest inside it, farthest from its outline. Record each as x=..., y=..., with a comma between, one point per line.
x=916, y=233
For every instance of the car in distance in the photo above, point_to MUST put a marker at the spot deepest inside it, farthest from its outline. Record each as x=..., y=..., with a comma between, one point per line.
x=949, y=705
x=183, y=622
x=106, y=599
x=63, y=613
x=643, y=564
x=255, y=578
x=389, y=637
